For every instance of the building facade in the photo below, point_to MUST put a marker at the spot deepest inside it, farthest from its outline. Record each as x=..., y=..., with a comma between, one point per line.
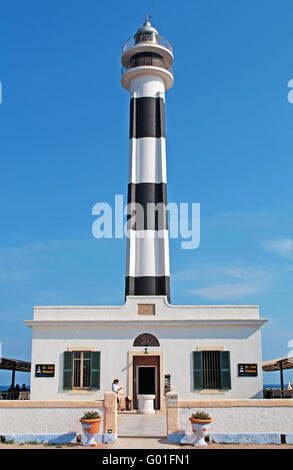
x=151, y=346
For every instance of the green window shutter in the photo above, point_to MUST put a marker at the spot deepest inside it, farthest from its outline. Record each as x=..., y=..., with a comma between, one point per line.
x=225, y=370
x=67, y=370
x=95, y=370
x=197, y=370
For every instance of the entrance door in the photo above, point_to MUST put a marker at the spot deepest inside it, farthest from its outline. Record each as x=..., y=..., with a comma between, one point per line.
x=146, y=384
x=146, y=378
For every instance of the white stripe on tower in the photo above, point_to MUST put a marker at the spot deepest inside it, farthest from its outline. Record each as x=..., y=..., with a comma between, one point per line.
x=147, y=271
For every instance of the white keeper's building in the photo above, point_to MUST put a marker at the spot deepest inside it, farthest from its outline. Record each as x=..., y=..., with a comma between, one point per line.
x=151, y=346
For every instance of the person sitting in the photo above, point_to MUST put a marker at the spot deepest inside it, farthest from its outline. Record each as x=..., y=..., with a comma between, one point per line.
x=120, y=394
x=23, y=388
x=16, y=391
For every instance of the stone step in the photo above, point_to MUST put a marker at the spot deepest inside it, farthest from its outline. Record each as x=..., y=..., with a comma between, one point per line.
x=142, y=425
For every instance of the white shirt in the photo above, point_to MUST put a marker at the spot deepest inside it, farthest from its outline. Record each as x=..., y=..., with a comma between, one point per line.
x=115, y=388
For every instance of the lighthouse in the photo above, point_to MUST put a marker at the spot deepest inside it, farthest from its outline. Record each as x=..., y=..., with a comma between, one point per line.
x=150, y=345
x=146, y=74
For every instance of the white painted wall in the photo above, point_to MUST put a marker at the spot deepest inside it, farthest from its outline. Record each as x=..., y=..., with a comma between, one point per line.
x=178, y=338
x=227, y=420
x=43, y=420
x=128, y=311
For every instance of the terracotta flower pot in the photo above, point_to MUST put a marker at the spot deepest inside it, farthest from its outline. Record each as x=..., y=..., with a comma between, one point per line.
x=91, y=428
x=200, y=429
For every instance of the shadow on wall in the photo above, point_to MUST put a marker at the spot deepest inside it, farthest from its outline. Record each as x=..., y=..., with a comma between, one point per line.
x=258, y=395
x=98, y=333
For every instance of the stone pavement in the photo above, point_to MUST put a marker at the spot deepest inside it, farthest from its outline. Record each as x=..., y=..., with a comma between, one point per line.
x=146, y=443
x=142, y=425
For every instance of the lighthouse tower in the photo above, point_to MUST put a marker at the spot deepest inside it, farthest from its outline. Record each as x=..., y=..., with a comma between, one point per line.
x=146, y=74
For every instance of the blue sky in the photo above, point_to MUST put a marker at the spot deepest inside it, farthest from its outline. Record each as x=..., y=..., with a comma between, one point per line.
x=64, y=147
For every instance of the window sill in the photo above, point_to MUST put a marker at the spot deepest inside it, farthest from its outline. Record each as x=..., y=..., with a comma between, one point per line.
x=212, y=392
x=81, y=392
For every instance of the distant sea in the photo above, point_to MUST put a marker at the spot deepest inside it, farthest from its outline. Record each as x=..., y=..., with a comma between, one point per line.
x=275, y=385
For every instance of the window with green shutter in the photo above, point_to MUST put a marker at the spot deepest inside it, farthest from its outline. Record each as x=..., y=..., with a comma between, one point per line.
x=67, y=370
x=197, y=370
x=225, y=370
x=211, y=370
x=81, y=370
x=95, y=370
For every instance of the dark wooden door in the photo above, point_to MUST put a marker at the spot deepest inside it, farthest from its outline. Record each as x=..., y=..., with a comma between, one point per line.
x=146, y=361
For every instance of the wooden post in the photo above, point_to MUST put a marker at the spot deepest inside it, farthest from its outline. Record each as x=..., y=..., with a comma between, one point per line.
x=282, y=380
x=13, y=376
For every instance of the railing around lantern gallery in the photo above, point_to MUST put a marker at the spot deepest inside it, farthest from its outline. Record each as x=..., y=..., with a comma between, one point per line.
x=124, y=70
x=159, y=40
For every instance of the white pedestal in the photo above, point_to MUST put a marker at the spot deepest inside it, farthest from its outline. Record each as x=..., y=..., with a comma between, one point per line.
x=146, y=404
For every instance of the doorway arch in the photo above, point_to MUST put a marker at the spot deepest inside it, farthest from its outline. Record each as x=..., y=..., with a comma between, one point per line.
x=146, y=339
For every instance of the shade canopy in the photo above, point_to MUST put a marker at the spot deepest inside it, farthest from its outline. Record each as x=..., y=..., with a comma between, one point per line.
x=14, y=364
x=278, y=364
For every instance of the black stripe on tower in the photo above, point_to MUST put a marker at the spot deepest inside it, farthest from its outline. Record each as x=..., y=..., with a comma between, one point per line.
x=153, y=200
x=148, y=285
x=147, y=117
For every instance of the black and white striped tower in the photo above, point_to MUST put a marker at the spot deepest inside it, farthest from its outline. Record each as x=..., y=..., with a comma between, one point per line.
x=146, y=74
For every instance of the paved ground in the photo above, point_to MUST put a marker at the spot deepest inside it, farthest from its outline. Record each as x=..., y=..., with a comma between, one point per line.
x=144, y=443
x=141, y=425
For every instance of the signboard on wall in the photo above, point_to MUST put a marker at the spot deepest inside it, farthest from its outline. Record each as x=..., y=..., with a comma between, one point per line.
x=45, y=370
x=167, y=383
x=247, y=370
x=172, y=400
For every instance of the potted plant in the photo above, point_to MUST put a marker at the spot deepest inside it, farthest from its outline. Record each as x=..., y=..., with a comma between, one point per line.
x=200, y=422
x=91, y=425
